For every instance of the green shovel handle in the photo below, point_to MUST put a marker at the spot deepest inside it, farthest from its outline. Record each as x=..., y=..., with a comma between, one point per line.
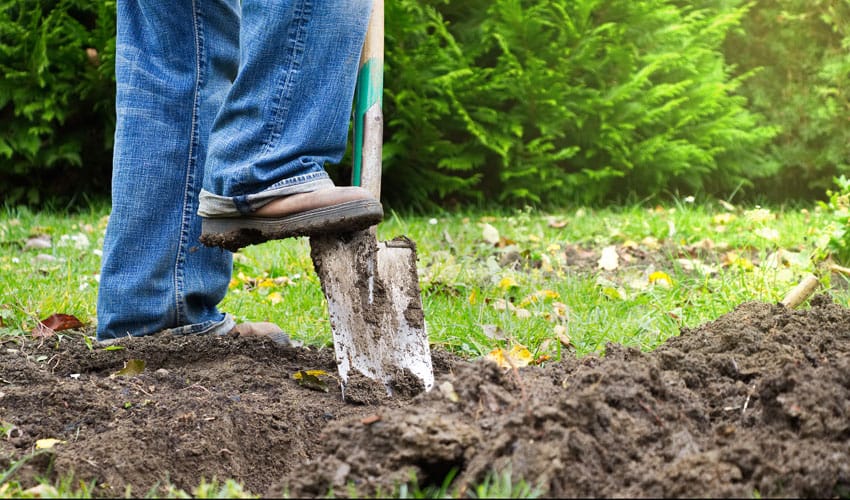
x=368, y=93
x=368, y=97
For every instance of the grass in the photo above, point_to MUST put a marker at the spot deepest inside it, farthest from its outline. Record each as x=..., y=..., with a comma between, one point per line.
x=522, y=288
x=488, y=279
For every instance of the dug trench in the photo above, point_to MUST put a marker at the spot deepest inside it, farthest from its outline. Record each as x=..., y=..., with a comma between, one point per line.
x=756, y=402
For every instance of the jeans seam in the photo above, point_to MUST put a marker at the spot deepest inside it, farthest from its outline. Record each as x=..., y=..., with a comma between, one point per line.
x=298, y=41
x=185, y=219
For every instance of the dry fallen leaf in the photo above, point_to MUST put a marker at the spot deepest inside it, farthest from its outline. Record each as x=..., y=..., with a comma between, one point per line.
x=560, y=309
x=310, y=379
x=728, y=206
x=275, y=298
x=661, y=278
x=47, y=443
x=539, y=296
x=723, y=219
x=732, y=259
x=561, y=333
x=767, y=233
x=787, y=258
x=609, y=259
x=507, y=283
x=759, y=215
x=521, y=313
x=55, y=323
x=132, y=367
x=541, y=359
x=494, y=332
x=651, y=243
x=490, y=234
x=696, y=265
x=517, y=357
x=502, y=305
x=39, y=242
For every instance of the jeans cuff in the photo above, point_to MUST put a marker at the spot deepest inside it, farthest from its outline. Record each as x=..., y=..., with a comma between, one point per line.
x=213, y=205
x=222, y=327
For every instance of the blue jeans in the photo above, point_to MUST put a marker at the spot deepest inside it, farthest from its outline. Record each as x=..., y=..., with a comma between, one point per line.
x=221, y=106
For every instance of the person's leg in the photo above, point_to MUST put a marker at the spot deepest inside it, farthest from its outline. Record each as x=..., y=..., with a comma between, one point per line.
x=286, y=115
x=175, y=62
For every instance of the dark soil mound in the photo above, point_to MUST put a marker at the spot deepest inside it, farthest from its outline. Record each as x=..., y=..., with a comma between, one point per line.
x=757, y=402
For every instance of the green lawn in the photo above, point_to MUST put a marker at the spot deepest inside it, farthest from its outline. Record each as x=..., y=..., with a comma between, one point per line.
x=487, y=278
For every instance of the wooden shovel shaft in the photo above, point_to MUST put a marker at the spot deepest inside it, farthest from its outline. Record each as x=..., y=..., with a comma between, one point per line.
x=372, y=287
x=368, y=116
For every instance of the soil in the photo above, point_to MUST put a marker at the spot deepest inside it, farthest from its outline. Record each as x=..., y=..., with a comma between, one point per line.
x=756, y=402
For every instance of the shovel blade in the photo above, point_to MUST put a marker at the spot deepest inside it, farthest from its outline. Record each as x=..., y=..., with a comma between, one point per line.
x=375, y=307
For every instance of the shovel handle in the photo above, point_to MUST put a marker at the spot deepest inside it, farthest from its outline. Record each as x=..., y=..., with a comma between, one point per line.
x=368, y=97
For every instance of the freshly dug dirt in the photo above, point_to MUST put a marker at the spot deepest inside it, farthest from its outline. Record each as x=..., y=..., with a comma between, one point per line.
x=756, y=402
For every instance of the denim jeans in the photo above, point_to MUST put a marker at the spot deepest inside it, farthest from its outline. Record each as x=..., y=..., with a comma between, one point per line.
x=221, y=106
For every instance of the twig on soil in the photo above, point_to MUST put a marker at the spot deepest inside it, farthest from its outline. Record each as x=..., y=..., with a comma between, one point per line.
x=53, y=369
x=801, y=292
x=196, y=386
x=139, y=387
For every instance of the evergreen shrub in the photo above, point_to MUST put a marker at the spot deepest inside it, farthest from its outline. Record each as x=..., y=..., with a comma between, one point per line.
x=553, y=100
x=801, y=49
x=515, y=101
x=56, y=96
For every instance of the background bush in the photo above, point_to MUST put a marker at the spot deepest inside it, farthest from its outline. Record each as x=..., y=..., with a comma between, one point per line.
x=553, y=100
x=508, y=101
x=56, y=97
x=801, y=49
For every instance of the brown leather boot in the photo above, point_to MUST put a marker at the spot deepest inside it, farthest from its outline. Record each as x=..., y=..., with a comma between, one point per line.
x=334, y=210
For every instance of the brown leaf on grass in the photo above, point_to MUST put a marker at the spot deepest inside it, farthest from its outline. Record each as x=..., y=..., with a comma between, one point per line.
x=505, y=242
x=55, y=323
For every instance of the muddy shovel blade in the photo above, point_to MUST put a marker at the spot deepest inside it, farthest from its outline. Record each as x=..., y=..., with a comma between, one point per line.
x=375, y=307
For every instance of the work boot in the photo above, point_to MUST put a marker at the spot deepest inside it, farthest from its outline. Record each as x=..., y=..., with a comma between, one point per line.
x=332, y=210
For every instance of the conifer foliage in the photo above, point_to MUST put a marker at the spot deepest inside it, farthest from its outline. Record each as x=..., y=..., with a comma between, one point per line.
x=56, y=96
x=513, y=101
x=799, y=54
x=583, y=100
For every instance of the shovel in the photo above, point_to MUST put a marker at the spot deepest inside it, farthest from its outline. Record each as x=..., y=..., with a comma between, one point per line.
x=372, y=287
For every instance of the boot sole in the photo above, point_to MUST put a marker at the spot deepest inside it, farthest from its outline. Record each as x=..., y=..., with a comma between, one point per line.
x=233, y=233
